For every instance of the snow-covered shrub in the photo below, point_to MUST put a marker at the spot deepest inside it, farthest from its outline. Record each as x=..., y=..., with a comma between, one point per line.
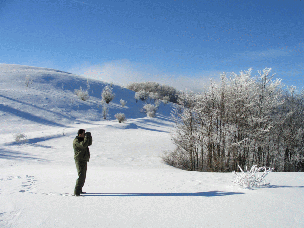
x=107, y=94
x=166, y=99
x=157, y=103
x=82, y=94
x=150, y=110
x=28, y=81
x=123, y=102
x=120, y=117
x=255, y=177
x=20, y=138
x=178, y=159
x=154, y=96
x=161, y=90
x=141, y=95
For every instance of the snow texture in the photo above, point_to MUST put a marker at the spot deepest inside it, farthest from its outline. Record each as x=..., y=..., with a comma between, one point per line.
x=127, y=185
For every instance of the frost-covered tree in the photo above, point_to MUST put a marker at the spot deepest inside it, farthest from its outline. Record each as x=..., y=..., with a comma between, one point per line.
x=166, y=99
x=105, y=111
x=82, y=94
x=156, y=88
x=290, y=132
x=153, y=96
x=107, y=94
x=241, y=121
x=184, y=136
x=141, y=95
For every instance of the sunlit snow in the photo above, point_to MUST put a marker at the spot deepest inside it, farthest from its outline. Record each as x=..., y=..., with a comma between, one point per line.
x=127, y=184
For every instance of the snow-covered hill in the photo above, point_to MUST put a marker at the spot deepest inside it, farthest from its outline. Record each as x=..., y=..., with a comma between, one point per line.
x=49, y=98
x=127, y=183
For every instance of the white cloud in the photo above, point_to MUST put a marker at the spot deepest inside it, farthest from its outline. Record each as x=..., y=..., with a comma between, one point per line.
x=124, y=72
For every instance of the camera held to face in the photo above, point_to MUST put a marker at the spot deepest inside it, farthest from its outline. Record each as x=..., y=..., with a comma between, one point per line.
x=88, y=134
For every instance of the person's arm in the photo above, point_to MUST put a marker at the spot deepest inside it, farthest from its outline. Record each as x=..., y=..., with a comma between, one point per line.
x=90, y=140
x=83, y=144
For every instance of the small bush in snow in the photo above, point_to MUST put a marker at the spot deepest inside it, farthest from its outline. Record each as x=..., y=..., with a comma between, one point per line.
x=253, y=178
x=123, y=102
x=153, y=96
x=141, y=95
x=21, y=138
x=166, y=99
x=120, y=117
x=107, y=94
x=150, y=110
x=82, y=94
x=177, y=158
x=157, y=103
x=28, y=81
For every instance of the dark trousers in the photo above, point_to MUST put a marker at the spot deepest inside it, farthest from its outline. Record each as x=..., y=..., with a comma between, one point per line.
x=82, y=172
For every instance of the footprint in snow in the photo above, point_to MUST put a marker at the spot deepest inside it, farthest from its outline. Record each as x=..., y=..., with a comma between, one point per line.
x=28, y=184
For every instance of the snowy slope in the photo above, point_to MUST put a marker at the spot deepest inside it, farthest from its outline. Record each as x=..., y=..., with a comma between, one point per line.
x=127, y=183
x=50, y=99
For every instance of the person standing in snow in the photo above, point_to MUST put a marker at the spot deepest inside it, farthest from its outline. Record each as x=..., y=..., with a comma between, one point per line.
x=81, y=156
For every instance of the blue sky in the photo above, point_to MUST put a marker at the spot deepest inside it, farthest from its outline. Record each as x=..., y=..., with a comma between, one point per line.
x=177, y=42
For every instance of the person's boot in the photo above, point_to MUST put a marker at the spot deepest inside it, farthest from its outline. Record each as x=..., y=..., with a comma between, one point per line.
x=77, y=192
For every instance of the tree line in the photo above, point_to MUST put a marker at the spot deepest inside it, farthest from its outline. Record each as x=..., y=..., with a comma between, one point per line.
x=241, y=120
x=154, y=90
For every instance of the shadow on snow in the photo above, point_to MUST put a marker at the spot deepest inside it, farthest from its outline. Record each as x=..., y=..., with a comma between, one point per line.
x=150, y=129
x=205, y=194
x=28, y=116
x=35, y=106
x=284, y=186
x=34, y=141
x=15, y=155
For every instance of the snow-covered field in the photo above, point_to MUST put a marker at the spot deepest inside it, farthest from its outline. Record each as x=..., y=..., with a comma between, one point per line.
x=127, y=183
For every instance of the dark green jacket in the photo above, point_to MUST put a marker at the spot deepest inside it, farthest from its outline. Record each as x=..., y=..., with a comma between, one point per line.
x=81, y=148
